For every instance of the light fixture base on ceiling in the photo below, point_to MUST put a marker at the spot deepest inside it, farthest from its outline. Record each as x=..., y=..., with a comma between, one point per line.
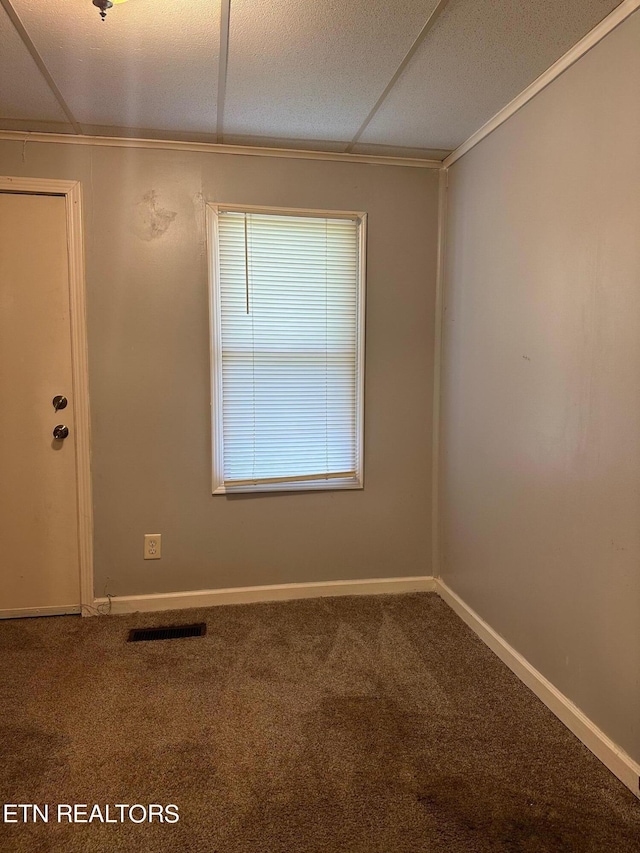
x=103, y=5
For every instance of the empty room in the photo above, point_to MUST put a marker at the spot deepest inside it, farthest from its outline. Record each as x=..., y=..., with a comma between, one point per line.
x=320, y=459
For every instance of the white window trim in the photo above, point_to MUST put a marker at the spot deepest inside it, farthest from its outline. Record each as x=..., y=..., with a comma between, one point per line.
x=215, y=338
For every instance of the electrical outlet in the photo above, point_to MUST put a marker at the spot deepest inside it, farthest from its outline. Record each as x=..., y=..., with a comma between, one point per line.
x=152, y=546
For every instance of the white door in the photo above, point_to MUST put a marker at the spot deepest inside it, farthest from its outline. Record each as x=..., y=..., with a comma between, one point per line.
x=39, y=552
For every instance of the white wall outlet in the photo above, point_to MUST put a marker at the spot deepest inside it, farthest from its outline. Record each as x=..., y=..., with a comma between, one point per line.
x=152, y=546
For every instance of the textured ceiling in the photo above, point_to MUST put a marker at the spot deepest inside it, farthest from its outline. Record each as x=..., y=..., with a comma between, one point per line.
x=24, y=93
x=479, y=56
x=407, y=77
x=314, y=69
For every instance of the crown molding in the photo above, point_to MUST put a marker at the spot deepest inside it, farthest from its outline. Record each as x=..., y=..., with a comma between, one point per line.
x=606, y=26
x=214, y=148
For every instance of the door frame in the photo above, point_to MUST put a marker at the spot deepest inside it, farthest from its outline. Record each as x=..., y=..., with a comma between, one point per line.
x=72, y=193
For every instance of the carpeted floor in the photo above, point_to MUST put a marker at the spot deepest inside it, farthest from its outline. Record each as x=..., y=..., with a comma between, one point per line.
x=350, y=725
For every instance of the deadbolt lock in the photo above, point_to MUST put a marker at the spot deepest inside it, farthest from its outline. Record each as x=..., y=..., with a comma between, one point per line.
x=61, y=431
x=59, y=402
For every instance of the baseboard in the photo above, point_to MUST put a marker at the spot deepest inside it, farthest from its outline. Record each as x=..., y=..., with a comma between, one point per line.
x=614, y=758
x=248, y=594
x=617, y=761
x=21, y=612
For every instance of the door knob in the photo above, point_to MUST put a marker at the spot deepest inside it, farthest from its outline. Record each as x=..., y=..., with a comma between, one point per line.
x=61, y=431
x=59, y=402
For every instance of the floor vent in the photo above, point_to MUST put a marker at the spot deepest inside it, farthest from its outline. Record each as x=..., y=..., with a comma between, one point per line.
x=169, y=632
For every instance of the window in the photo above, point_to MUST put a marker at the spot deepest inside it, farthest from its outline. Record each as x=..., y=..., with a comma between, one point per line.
x=287, y=319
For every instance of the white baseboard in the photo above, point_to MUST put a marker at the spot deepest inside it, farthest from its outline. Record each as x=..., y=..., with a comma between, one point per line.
x=248, y=594
x=618, y=762
x=20, y=612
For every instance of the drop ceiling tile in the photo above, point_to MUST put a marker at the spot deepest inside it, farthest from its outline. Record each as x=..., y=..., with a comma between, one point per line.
x=303, y=69
x=479, y=56
x=151, y=63
x=24, y=93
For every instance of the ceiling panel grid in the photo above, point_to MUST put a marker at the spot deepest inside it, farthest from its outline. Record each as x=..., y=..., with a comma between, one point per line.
x=479, y=55
x=24, y=93
x=412, y=78
x=306, y=70
x=149, y=65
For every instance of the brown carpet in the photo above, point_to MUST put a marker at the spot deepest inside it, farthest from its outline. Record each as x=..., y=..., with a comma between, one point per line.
x=365, y=725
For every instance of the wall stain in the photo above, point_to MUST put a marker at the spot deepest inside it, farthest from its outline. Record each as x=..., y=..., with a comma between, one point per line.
x=152, y=220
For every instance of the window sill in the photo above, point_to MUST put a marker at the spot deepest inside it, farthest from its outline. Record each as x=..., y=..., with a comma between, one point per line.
x=313, y=486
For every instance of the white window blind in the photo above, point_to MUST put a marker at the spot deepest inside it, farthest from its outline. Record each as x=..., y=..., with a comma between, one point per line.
x=287, y=351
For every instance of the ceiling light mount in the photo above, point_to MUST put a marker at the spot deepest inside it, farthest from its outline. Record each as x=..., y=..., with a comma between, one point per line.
x=103, y=5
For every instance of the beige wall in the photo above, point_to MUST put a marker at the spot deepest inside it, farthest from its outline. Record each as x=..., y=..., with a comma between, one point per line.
x=149, y=371
x=541, y=384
